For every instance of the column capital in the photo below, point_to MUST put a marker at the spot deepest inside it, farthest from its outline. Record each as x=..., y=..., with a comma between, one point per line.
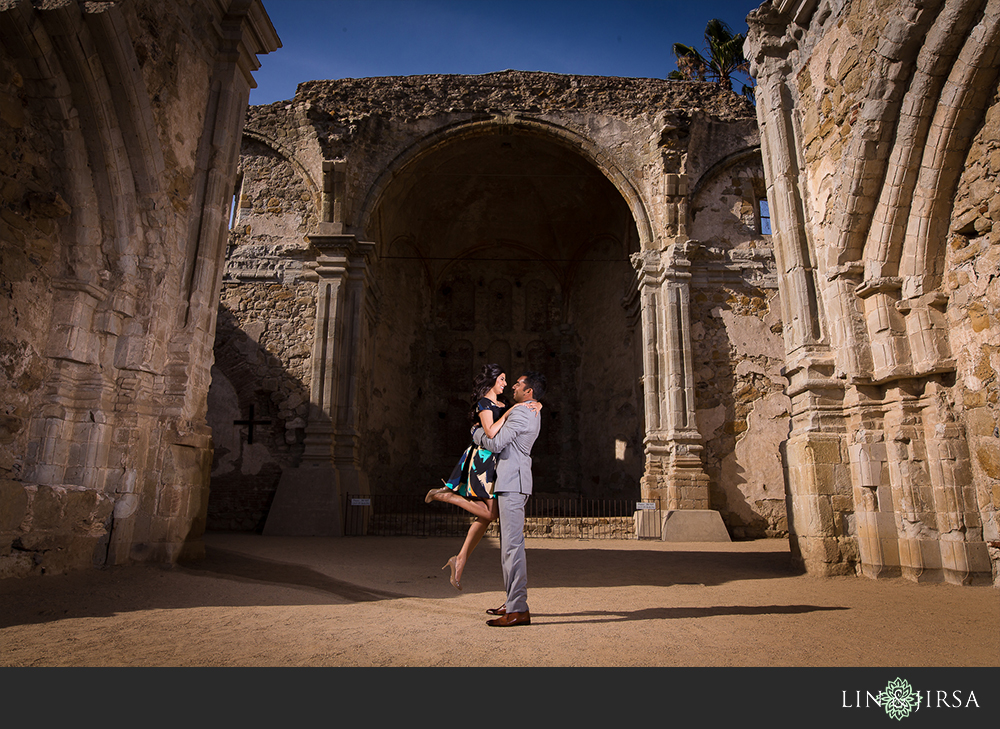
x=672, y=260
x=337, y=253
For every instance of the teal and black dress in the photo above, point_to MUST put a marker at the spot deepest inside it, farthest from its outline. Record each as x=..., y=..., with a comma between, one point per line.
x=476, y=472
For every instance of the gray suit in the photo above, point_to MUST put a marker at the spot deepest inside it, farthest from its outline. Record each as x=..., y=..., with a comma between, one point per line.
x=513, y=486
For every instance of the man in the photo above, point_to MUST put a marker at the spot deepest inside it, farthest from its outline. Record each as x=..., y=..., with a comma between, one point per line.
x=513, y=486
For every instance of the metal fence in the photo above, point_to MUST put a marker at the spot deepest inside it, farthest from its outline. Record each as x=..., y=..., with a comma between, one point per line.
x=556, y=518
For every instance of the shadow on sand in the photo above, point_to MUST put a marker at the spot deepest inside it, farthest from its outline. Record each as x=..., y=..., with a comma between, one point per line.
x=677, y=613
x=410, y=564
x=244, y=568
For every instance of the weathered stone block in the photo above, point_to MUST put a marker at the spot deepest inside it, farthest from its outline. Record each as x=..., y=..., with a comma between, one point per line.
x=819, y=552
x=47, y=504
x=813, y=515
x=930, y=553
x=171, y=500
x=693, y=525
x=988, y=458
x=86, y=511
x=13, y=505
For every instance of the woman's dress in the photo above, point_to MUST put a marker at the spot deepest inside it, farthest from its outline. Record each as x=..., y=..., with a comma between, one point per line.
x=476, y=472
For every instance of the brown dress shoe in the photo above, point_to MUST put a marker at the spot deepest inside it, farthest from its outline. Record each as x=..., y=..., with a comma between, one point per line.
x=508, y=619
x=502, y=610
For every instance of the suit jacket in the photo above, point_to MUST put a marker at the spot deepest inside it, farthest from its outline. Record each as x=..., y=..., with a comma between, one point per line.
x=512, y=444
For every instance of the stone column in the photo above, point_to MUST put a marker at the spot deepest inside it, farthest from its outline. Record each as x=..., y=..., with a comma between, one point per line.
x=874, y=507
x=674, y=475
x=816, y=458
x=938, y=527
x=963, y=552
x=309, y=498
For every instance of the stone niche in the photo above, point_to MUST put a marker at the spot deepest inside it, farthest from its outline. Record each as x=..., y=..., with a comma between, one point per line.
x=392, y=235
x=119, y=131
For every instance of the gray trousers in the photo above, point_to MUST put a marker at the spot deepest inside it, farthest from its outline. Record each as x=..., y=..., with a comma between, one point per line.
x=512, y=558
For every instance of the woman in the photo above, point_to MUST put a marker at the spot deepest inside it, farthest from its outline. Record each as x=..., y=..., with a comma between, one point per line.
x=471, y=483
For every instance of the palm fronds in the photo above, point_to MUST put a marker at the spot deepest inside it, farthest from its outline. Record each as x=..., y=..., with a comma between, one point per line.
x=724, y=57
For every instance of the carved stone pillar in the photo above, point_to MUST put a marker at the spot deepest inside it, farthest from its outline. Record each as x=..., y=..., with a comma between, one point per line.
x=819, y=477
x=309, y=498
x=674, y=474
x=816, y=453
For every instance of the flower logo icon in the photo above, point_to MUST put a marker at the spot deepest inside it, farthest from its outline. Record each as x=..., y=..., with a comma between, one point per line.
x=898, y=699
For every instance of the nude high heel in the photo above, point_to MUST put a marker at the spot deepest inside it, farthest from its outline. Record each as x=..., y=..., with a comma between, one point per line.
x=434, y=492
x=451, y=563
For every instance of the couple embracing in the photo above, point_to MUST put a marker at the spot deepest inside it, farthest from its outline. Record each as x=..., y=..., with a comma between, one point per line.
x=493, y=478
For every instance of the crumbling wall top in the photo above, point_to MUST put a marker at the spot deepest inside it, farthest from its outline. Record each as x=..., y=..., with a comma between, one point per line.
x=413, y=97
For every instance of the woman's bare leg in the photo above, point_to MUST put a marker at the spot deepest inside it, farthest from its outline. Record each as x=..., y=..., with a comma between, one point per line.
x=476, y=508
x=476, y=531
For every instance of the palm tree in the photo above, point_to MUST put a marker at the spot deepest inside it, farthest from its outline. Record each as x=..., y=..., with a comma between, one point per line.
x=725, y=57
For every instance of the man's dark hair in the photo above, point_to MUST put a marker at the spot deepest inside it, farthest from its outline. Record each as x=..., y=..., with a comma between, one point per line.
x=536, y=382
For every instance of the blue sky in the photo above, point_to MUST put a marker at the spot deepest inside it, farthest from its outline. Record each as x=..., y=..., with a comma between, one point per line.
x=330, y=39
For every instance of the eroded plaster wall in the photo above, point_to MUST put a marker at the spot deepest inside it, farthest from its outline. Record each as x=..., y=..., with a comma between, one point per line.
x=736, y=331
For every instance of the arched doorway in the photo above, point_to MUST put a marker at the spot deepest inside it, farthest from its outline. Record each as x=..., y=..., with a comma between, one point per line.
x=506, y=245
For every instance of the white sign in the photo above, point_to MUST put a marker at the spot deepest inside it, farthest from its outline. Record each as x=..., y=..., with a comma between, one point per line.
x=361, y=502
x=645, y=505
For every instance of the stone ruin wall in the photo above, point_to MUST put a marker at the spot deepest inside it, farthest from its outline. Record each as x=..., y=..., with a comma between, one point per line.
x=372, y=122
x=648, y=126
x=972, y=282
x=909, y=481
x=264, y=337
x=109, y=255
x=743, y=412
x=263, y=344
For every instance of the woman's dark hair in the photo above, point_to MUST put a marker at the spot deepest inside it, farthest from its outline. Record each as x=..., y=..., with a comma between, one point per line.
x=484, y=381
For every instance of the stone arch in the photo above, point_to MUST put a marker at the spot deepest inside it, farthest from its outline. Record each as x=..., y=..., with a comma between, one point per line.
x=737, y=345
x=260, y=347
x=601, y=159
x=727, y=162
x=260, y=198
x=486, y=223
x=547, y=192
x=131, y=169
x=292, y=159
x=723, y=201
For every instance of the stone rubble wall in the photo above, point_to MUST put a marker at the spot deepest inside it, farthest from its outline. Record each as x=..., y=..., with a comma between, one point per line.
x=972, y=282
x=643, y=124
x=263, y=348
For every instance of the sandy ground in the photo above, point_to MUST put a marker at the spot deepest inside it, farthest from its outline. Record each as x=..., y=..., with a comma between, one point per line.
x=384, y=601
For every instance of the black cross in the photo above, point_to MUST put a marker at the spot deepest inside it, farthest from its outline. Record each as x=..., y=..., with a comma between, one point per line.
x=250, y=422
